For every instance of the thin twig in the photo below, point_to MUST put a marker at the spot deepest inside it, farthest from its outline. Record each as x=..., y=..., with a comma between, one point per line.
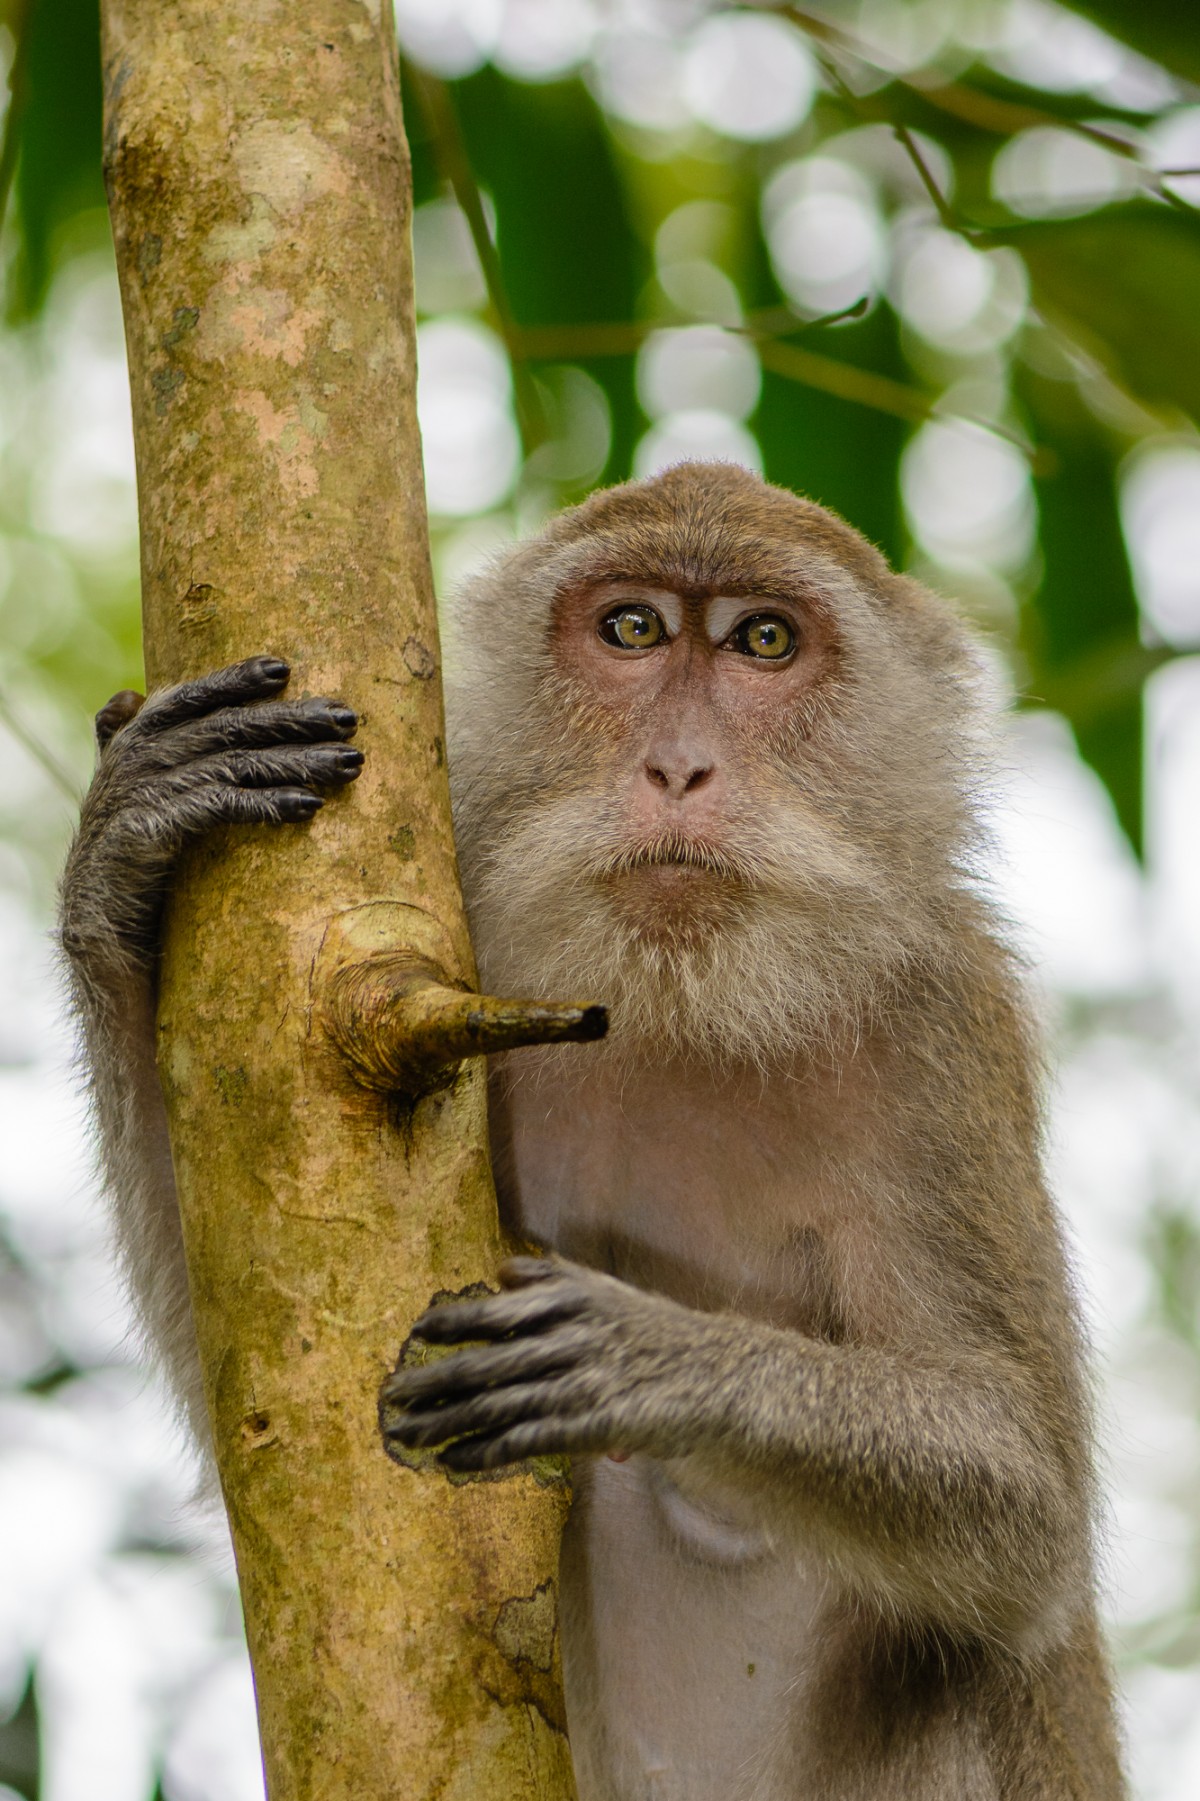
x=552, y=343
x=845, y=380
x=941, y=205
x=907, y=142
x=971, y=104
x=864, y=388
x=450, y=150
x=827, y=374
x=18, y=88
x=960, y=100
x=1005, y=118
x=59, y=774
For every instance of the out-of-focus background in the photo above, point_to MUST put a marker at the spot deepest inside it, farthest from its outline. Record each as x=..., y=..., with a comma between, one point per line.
x=933, y=262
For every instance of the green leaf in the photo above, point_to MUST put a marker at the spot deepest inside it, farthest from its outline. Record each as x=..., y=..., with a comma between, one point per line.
x=1081, y=631
x=58, y=172
x=1164, y=30
x=568, y=251
x=1128, y=280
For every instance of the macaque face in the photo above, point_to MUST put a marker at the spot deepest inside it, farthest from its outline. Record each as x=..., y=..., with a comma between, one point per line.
x=697, y=749
x=680, y=694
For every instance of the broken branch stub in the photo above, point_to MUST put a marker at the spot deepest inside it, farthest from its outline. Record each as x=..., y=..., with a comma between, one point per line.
x=405, y=1031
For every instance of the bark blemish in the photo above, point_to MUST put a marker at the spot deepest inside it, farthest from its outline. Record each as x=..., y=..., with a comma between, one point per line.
x=261, y=321
x=258, y=1431
x=149, y=255
x=166, y=383
x=419, y=660
x=239, y=245
x=280, y=429
x=185, y=321
x=526, y=1627
x=288, y=165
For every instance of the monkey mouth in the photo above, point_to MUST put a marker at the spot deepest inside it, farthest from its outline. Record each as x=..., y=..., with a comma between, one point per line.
x=676, y=858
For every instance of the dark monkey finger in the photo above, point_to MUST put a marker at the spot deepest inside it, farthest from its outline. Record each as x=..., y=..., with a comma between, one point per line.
x=281, y=765
x=252, y=806
x=470, y=1372
x=496, y=1410
x=522, y=1310
x=268, y=722
x=520, y=1272
x=533, y=1438
x=258, y=678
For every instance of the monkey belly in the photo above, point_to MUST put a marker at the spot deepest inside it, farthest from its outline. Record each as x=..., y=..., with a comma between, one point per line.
x=704, y=1663
x=687, y=1643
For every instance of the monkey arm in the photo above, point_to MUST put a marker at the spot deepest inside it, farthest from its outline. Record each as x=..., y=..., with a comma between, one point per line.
x=224, y=749
x=928, y=1483
x=115, y=1005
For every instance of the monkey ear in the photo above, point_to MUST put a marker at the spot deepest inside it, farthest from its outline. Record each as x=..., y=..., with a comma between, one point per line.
x=118, y=712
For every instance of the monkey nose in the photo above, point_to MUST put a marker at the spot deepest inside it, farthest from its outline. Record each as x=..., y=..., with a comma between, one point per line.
x=678, y=776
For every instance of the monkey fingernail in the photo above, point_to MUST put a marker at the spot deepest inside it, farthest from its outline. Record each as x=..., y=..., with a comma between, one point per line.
x=298, y=805
x=349, y=761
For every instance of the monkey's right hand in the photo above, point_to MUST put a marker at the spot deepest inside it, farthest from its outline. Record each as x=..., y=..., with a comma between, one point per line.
x=222, y=750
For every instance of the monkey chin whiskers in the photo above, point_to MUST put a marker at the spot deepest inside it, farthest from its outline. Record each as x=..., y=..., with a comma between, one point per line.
x=772, y=951
x=678, y=851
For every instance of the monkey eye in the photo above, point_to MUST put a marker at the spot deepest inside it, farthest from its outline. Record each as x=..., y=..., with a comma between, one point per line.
x=766, y=636
x=632, y=628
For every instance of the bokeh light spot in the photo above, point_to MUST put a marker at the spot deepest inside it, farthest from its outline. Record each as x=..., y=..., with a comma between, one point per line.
x=464, y=401
x=699, y=366
x=699, y=434
x=749, y=76
x=1160, y=512
x=1047, y=173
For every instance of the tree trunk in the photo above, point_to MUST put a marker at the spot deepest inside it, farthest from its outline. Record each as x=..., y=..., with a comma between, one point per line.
x=402, y=1627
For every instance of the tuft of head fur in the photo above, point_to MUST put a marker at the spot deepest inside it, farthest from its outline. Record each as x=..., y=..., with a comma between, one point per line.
x=850, y=826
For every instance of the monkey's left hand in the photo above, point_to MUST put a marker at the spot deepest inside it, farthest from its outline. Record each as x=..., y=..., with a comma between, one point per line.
x=570, y=1360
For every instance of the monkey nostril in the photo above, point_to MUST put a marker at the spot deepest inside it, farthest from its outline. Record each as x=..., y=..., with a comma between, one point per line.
x=678, y=780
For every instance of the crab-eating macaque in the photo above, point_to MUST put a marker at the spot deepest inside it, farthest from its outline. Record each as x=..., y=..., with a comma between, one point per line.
x=805, y=1329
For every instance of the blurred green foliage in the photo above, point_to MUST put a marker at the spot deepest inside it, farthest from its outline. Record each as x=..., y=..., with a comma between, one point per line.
x=53, y=139
x=599, y=234
x=1162, y=29
x=571, y=198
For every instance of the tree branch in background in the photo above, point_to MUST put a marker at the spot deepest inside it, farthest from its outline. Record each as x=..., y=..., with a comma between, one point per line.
x=960, y=100
x=434, y=99
x=810, y=368
x=18, y=91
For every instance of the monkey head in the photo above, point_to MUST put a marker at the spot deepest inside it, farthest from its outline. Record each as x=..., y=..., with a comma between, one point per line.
x=710, y=760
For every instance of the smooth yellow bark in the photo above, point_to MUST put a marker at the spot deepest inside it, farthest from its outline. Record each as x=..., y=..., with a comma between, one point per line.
x=402, y=1627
